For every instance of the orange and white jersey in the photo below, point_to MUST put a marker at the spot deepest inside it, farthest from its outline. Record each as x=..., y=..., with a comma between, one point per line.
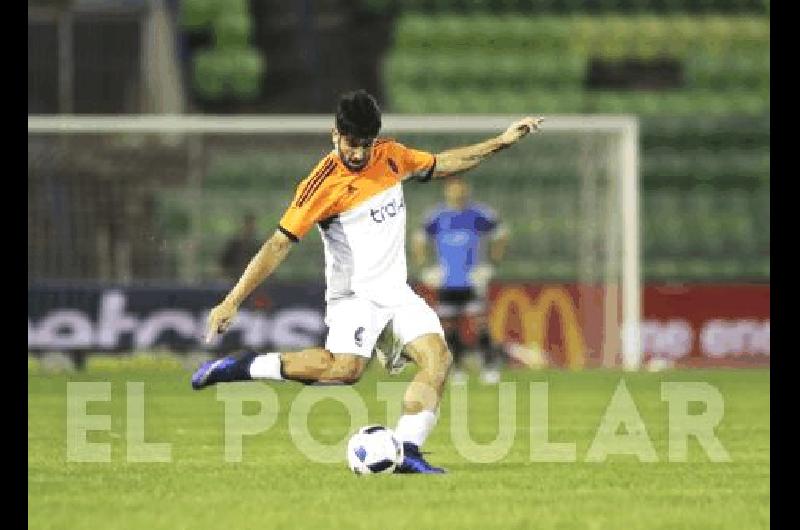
x=362, y=219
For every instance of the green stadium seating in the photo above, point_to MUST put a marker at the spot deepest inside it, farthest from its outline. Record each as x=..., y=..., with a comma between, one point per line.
x=197, y=14
x=726, y=58
x=704, y=146
x=231, y=68
x=742, y=72
x=486, y=71
x=232, y=30
x=234, y=72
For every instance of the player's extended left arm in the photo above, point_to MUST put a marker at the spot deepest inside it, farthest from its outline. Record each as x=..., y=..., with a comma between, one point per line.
x=462, y=159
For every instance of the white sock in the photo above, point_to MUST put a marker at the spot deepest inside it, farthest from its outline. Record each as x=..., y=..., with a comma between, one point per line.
x=415, y=428
x=266, y=366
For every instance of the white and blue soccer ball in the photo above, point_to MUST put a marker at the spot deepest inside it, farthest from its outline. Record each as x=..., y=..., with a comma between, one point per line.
x=374, y=449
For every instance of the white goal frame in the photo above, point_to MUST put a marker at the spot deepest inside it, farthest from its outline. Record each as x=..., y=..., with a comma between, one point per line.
x=626, y=127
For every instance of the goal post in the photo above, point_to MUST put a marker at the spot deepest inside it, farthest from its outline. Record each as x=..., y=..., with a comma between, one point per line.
x=572, y=191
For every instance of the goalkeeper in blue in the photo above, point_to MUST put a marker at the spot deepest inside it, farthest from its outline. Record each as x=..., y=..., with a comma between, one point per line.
x=470, y=241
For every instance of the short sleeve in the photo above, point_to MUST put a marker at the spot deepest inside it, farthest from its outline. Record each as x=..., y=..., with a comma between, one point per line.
x=312, y=202
x=486, y=220
x=431, y=224
x=417, y=165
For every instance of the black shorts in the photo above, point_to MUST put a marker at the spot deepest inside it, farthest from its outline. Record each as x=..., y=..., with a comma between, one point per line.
x=460, y=301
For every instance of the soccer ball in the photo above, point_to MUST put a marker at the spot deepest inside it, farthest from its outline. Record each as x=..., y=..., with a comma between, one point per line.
x=374, y=449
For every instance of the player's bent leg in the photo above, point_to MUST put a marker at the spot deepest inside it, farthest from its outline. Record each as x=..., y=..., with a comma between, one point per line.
x=433, y=359
x=306, y=366
x=320, y=365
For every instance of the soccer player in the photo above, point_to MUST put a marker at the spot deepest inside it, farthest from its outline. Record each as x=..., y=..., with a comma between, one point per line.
x=456, y=229
x=354, y=196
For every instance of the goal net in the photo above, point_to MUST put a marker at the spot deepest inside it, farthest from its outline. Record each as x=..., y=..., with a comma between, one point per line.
x=120, y=198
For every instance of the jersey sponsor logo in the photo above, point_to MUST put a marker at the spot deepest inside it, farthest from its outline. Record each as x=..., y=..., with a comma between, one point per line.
x=387, y=211
x=456, y=238
x=358, y=336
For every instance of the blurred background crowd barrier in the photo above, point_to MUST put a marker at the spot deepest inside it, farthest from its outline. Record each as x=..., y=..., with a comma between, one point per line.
x=127, y=209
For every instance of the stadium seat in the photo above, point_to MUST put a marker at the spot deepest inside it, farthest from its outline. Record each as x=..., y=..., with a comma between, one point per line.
x=197, y=14
x=232, y=30
x=235, y=72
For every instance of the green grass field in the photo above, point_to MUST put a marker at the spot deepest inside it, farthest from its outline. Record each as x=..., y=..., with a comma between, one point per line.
x=276, y=486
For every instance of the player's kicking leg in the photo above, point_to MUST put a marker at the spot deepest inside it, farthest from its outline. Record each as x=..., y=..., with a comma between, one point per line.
x=306, y=366
x=354, y=325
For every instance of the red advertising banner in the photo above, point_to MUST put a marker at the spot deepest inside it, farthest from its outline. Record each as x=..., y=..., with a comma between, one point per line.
x=683, y=325
x=707, y=325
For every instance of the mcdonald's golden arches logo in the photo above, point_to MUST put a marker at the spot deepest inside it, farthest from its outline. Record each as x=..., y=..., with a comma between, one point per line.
x=534, y=316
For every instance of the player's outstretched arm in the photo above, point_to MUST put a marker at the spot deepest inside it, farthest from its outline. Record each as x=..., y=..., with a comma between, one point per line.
x=266, y=260
x=462, y=159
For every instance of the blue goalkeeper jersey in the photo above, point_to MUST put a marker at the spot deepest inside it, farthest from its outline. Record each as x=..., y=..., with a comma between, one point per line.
x=457, y=236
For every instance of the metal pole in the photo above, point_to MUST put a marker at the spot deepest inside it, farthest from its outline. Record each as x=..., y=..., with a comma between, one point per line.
x=631, y=274
x=613, y=231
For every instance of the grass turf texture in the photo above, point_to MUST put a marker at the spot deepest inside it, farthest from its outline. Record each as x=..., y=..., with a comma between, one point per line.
x=276, y=486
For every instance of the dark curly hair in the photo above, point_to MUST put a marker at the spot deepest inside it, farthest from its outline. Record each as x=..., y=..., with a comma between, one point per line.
x=358, y=115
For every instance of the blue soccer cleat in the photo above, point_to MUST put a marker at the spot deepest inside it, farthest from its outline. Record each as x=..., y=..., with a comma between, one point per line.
x=225, y=370
x=413, y=462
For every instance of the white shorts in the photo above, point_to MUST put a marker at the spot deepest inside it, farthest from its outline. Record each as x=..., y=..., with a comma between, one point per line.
x=355, y=325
